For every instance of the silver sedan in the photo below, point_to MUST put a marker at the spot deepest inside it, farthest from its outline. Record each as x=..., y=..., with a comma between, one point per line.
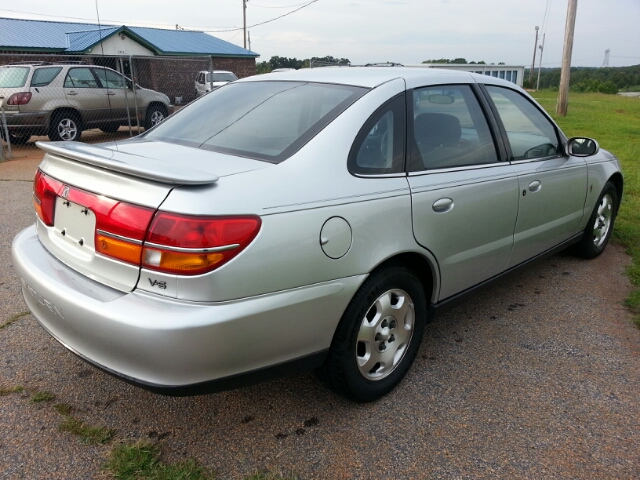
x=312, y=219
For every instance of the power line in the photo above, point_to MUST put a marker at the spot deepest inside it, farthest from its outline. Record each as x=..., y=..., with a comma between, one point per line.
x=285, y=6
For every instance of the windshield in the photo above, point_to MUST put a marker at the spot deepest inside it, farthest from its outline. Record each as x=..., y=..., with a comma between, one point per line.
x=263, y=120
x=13, y=77
x=221, y=77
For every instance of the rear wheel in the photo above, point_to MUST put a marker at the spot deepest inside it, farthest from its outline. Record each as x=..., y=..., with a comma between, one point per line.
x=16, y=138
x=378, y=336
x=155, y=115
x=598, y=230
x=65, y=127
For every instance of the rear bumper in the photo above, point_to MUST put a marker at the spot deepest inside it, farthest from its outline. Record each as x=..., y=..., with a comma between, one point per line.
x=176, y=347
x=30, y=121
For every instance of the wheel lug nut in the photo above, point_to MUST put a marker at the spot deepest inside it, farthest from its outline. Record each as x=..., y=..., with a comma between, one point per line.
x=383, y=347
x=377, y=339
x=392, y=338
x=392, y=324
x=384, y=324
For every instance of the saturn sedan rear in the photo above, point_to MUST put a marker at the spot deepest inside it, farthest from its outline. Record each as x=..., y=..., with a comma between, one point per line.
x=313, y=219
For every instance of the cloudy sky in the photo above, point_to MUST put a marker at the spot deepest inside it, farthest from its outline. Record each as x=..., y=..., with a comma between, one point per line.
x=403, y=31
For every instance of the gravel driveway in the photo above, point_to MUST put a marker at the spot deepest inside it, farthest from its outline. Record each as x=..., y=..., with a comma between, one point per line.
x=537, y=377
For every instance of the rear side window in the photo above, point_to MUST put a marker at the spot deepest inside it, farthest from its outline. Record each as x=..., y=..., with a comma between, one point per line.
x=530, y=133
x=379, y=146
x=110, y=79
x=80, y=78
x=449, y=129
x=13, y=77
x=262, y=120
x=44, y=76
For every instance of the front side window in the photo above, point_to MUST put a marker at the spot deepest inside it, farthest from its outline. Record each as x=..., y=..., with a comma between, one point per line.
x=263, y=120
x=110, y=79
x=530, y=133
x=449, y=129
x=379, y=147
x=80, y=78
x=44, y=76
x=13, y=77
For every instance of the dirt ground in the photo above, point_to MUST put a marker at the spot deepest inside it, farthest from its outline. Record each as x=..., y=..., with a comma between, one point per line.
x=535, y=378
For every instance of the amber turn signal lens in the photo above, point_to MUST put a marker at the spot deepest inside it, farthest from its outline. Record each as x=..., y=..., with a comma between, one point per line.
x=119, y=249
x=180, y=262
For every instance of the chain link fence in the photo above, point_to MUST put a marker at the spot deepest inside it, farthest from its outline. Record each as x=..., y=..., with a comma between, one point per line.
x=93, y=98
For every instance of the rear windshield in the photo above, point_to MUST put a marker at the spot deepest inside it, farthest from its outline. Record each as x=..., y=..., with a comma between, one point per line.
x=13, y=77
x=221, y=77
x=262, y=120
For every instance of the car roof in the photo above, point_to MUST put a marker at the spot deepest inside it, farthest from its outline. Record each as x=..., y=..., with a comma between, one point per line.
x=371, y=77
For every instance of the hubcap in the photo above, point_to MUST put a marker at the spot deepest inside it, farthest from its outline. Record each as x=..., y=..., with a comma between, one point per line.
x=385, y=334
x=156, y=118
x=603, y=220
x=67, y=129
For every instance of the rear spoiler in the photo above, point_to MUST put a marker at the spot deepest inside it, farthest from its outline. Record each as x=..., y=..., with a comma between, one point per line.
x=129, y=164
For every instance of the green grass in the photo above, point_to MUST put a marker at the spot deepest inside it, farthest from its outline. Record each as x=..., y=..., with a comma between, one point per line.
x=43, y=396
x=86, y=432
x=614, y=121
x=10, y=390
x=141, y=460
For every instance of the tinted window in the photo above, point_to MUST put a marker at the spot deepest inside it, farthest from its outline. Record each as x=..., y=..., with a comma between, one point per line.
x=530, y=133
x=449, y=129
x=109, y=78
x=44, y=76
x=80, y=78
x=13, y=77
x=379, y=147
x=264, y=120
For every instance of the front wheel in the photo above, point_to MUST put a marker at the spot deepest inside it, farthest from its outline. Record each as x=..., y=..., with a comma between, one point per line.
x=65, y=127
x=598, y=230
x=378, y=336
x=155, y=115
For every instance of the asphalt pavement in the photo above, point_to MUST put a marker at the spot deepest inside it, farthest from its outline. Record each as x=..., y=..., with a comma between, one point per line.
x=536, y=377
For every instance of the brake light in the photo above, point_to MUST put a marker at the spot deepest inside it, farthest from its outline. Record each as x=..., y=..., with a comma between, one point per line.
x=188, y=245
x=45, y=190
x=21, y=98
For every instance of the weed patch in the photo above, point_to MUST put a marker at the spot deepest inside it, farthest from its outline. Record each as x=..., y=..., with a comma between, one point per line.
x=10, y=390
x=14, y=318
x=86, y=432
x=142, y=460
x=43, y=396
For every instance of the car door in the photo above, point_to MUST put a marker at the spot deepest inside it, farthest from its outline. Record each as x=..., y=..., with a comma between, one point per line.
x=115, y=89
x=465, y=199
x=553, y=186
x=84, y=93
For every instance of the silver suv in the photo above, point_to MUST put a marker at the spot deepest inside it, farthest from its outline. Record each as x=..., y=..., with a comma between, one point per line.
x=210, y=80
x=61, y=100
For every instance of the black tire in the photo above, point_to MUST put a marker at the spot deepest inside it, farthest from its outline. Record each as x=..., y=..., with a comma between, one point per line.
x=598, y=230
x=65, y=126
x=16, y=139
x=371, y=330
x=110, y=128
x=155, y=115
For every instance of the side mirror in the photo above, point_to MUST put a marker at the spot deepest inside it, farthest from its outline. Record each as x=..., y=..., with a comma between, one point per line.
x=582, y=147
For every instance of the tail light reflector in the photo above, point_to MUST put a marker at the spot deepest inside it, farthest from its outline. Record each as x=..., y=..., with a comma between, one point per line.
x=188, y=245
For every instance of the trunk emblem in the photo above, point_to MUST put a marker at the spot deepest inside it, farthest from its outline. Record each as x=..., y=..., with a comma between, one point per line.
x=65, y=192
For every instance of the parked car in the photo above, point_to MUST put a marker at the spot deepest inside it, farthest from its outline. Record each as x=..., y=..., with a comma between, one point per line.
x=207, y=81
x=62, y=100
x=313, y=221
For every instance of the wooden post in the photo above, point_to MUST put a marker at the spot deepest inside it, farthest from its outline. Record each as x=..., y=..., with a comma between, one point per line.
x=563, y=94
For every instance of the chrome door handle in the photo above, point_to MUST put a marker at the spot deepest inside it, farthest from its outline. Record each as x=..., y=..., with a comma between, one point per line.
x=535, y=186
x=72, y=93
x=111, y=93
x=442, y=205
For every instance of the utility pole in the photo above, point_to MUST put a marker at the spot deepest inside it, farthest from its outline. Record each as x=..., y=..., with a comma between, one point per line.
x=540, y=64
x=244, y=21
x=563, y=93
x=533, y=63
x=249, y=39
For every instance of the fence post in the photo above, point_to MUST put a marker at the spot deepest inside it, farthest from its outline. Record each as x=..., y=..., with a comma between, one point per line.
x=3, y=125
x=134, y=79
x=126, y=96
x=211, y=72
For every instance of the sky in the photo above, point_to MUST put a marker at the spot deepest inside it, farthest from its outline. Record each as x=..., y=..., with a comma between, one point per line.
x=402, y=31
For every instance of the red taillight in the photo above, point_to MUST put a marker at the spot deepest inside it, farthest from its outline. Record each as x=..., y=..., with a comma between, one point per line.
x=188, y=245
x=21, y=98
x=120, y=227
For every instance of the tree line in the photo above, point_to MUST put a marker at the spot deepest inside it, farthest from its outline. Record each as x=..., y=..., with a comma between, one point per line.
x=587, y=79
x=284, y=62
